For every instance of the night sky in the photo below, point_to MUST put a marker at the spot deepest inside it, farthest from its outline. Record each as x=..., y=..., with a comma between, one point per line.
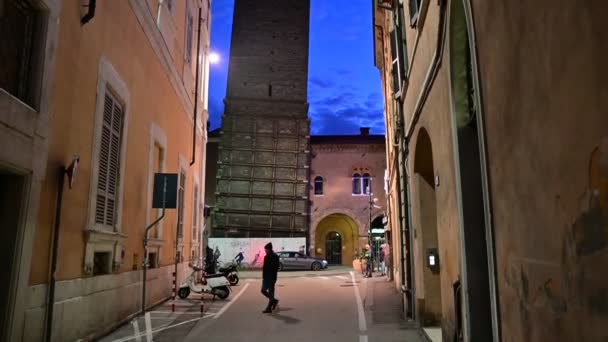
x=344, y=88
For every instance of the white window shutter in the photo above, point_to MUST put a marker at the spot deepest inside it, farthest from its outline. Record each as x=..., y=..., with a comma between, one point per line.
x=109, y=163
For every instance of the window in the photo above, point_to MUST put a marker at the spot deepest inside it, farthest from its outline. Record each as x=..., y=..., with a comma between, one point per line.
x=152, y=260
x=195, y=215
x=414, y=11
x=318, y=185
x=398, y=52
x=101, y=263
x=366, y=181
x=356, y=184
x=21, y=52
x=180, y=203
x=109, y=163
x=189, y=32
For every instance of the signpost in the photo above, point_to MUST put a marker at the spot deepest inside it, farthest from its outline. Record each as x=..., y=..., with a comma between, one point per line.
x=164, y=197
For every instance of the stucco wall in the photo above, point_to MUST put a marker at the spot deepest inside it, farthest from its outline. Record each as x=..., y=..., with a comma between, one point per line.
x=545, y=103
x=120, y=37
x=86, y=308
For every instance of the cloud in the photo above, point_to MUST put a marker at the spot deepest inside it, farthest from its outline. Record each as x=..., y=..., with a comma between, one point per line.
x=320, y=82
x=346, y=120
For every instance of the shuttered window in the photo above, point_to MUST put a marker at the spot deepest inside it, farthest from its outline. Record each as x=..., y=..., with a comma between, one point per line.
x=195, y=215
x=109, y=162
x=180, y=204
x=398, y=52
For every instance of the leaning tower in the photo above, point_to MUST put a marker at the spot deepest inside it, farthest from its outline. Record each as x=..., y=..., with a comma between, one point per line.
x=263, y=161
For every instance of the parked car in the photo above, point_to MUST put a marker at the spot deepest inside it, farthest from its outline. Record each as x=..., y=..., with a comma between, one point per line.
x=300, y=261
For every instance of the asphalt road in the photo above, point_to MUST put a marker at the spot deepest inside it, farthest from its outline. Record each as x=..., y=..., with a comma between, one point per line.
x=313, y=307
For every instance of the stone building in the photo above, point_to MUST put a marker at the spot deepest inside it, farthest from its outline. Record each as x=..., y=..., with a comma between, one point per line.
x=345, y=172
x=115, y=85
x=263, y=149
x=497, y=149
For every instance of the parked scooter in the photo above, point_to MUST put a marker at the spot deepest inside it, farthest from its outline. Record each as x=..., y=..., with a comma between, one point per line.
x=214, y=284
x=231, y=273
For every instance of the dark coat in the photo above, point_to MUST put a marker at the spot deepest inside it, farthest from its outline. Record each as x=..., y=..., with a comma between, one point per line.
x=271, y=266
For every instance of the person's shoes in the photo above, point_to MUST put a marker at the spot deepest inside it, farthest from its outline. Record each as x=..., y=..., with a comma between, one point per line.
x=274, y=304
x=267, y=310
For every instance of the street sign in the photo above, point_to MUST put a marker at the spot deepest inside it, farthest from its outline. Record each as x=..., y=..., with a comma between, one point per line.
x=159, y=182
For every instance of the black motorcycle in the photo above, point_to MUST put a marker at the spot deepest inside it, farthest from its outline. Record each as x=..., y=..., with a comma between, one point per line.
x=231, y=273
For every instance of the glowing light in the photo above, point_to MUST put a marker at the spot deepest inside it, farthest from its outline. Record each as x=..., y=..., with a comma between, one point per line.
x=214, y=58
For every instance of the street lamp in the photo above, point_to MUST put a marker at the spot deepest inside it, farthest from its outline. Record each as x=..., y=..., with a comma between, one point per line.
x=372, y=204
x=214, y=58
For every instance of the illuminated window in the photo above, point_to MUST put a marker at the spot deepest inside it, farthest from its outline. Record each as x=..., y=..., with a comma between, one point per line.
x=366, y=182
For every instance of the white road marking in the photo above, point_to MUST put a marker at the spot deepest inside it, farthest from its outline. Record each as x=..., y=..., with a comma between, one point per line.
x=362, y=338
x=341, y=277
x=231, y=302
x=125, y=339
x=324, y=278
x=362, y=322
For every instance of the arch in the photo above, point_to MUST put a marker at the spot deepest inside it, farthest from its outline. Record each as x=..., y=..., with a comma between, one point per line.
x=429, y=295
x=477, y=262
x=341, y=224
x=319, y=185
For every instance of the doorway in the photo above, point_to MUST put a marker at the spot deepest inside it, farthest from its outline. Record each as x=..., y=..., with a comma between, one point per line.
x=429, y=300
x=12, y=192
x=333, y=248
x=477, y=245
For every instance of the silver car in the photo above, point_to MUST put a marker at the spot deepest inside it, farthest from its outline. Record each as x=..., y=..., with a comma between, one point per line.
x=299, y=261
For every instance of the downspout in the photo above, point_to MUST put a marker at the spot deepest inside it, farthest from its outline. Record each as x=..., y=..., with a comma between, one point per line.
x=90, y=13
x=431, y=74
x=198, y=64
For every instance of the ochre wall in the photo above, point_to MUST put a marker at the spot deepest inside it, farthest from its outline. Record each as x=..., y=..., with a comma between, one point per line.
x=116, y=34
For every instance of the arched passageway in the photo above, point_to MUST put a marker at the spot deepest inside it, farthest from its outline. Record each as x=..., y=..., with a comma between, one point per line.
x=336, y=239
x=429, y=296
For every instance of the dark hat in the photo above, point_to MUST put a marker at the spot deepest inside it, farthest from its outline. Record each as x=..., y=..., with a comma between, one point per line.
x=268, y=246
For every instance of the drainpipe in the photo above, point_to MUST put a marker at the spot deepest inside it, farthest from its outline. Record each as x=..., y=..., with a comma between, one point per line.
x=50, y=300
x=90, y=13
x=198, y=64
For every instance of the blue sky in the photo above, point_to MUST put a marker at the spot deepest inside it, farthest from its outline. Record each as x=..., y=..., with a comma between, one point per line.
x=344, y=88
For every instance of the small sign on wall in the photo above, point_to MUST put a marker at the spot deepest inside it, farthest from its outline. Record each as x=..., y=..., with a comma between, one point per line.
x=160, y=179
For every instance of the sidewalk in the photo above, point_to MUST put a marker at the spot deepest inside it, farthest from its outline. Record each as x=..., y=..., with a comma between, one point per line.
x=384, y=313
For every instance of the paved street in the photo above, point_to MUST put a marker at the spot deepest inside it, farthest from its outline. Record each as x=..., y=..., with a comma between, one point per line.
x=313, y=307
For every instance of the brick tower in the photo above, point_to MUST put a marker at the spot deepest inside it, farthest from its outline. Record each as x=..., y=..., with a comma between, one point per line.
x=263, y=162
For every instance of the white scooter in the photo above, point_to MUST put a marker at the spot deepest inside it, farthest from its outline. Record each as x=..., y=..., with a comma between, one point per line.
x=214, y=284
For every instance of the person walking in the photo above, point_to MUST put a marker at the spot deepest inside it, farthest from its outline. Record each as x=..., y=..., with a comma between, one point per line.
x=269, y=277
x=369, y=259
x=382, y=264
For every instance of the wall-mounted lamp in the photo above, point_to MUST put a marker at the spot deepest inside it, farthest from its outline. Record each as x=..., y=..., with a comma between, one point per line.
x=432, y=259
